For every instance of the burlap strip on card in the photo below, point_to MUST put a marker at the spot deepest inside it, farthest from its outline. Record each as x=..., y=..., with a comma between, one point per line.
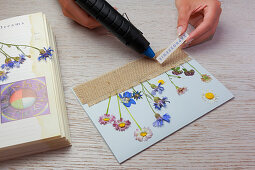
x=126, y=77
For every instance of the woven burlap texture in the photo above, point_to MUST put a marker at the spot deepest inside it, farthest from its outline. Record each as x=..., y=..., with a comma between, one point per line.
x=126, y=77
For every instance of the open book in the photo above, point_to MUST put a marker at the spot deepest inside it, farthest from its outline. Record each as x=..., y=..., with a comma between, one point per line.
x=33, y=115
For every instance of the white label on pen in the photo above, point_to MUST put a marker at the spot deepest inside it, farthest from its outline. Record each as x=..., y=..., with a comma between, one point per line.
x=167, y=52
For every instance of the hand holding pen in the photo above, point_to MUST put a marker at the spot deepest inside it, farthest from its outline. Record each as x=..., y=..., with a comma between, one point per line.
x=202, y=14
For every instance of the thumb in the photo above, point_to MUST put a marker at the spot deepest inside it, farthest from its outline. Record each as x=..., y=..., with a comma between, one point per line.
x=183, y=20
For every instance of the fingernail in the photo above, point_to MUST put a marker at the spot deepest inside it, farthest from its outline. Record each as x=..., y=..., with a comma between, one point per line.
x=179, y=30
x=185, y=46
x=189, y=41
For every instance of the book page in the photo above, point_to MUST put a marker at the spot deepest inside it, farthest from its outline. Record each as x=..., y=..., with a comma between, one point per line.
x=28, y=104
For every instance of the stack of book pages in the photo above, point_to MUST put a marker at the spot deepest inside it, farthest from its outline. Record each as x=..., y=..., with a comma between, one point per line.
x=33, y=115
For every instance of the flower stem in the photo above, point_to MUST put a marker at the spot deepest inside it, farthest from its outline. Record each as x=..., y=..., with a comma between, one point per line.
x=21, y=51
x=183, y=67
x=108, y=106
x=3, y=52
x=148, y=101
x=118, y=104
x=133, y=89
x=19, y=45
x=147, y=90
x=172, y=82
x=133, y=118
x=148, y=82
x=194, y=68
x=169, y=75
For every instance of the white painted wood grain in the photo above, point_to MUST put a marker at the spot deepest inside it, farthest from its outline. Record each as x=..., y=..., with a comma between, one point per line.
x=225, y=138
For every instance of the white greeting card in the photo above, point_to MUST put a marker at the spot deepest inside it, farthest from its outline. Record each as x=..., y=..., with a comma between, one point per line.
x=135, y=119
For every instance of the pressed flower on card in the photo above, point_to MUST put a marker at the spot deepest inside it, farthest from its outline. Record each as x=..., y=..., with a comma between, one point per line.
x=161, y=82
x=136, y=94
x=140, y=134
x=180, y=90
x=106, y=118
x=121, y=124
x=143, y=134
x=126, y=99
x=188, y=72
x=160, y=119
x=159, y=103
x=156, y=89
x=177, y=71
x=204, y=77
x=209, y=96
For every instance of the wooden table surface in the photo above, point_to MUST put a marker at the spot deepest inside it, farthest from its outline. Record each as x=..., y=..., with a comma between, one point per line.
x=224, y=138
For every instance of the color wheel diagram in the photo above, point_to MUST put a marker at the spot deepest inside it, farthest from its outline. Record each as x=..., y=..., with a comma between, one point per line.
x=24, y=99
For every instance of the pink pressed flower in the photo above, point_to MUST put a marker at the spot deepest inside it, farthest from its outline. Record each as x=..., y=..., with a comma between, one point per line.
x=121, y=125
x=106, y=118
x=206, y=78
x=143, y=134
x=181, y=90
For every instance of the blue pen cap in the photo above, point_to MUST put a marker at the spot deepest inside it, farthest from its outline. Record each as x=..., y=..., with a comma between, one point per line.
x=149, y=52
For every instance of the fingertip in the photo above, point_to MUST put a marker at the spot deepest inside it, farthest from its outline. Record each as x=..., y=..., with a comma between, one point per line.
x=181, y=29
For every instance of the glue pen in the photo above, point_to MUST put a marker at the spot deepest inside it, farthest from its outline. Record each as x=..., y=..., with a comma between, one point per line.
x=123, y=29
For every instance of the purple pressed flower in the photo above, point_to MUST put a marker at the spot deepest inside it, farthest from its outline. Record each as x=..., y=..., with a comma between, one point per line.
x=158, y=89
x=177, y=71
x=121, y=125
x=106, y=118
x=159, y=103
x=126, y=99
x=188, y=73
x=45, y=53
x=160, y=120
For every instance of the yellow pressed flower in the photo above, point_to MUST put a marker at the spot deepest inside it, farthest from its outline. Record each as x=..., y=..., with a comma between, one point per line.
x=161, y=81
x=209, y=95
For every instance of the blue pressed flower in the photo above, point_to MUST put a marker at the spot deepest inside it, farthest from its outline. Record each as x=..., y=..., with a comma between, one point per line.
x=137, y=95
x=159, y=103
x=166, y=117
x=158, y=89
x=9, y=64
x=45, y=53
x=3, y=75
x=160, y=120
x=3, y=66
x=126, y=99
x=19, y=60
